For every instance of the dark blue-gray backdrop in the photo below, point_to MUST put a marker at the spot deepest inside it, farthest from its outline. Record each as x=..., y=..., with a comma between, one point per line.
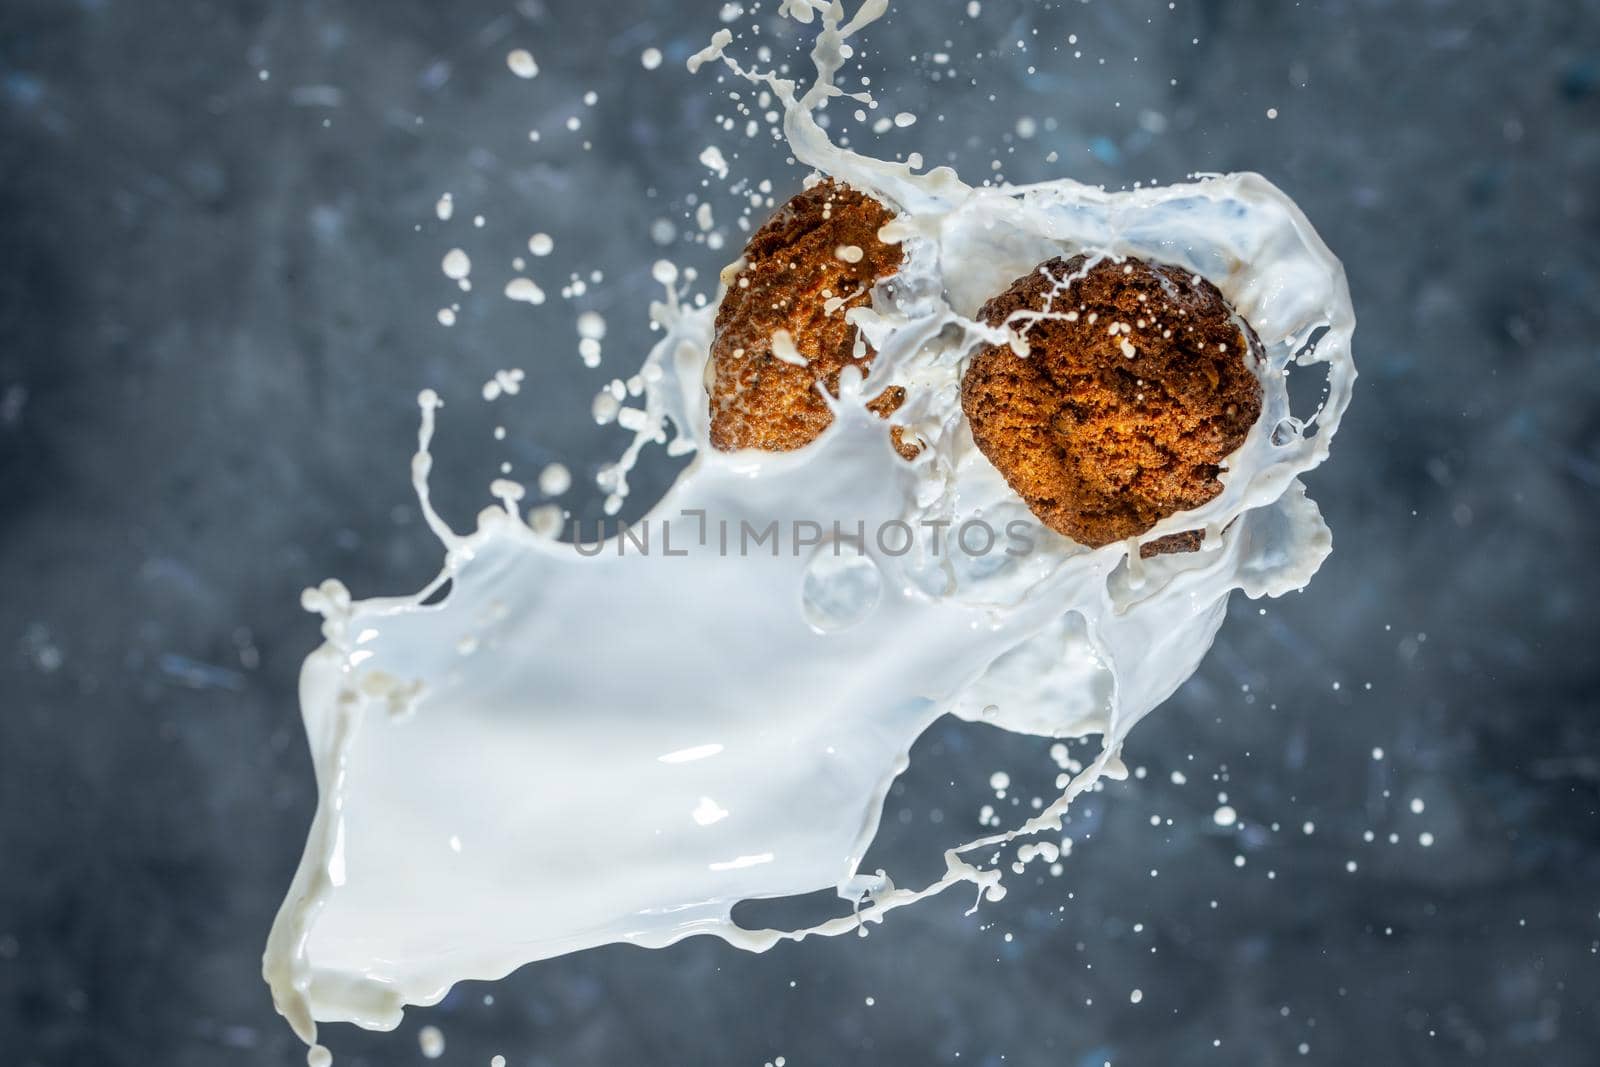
x=216, y=308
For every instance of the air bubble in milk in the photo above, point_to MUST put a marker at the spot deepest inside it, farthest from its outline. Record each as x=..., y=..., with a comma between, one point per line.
x=840, y=588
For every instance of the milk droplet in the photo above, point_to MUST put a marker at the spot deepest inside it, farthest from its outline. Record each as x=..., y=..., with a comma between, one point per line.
x=521, y=63
x=999, y=781
x=555, y=479
x=431, y=1041
x=783, y=347
x=545, y=520
x=650, y=58
x=1225, y=816
x=1136, y=996
x=456, y=264
x=712, y=158
x=508, y=491
x=445, y=207
x=605, y=408
x=524, y=290
x=541, y=244
x=904, y=119
x=839, y=591
x=592, y=324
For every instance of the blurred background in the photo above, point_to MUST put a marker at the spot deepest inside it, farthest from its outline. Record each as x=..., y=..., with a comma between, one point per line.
x=220, y=291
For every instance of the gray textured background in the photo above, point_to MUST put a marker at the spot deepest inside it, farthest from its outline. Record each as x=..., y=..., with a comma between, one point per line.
x=215, y=311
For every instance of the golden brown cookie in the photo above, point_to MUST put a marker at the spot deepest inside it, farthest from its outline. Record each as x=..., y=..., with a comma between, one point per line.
x=1136, y=387
x=815, y=259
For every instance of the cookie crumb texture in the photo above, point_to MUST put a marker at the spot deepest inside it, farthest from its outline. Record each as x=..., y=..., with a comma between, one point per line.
x=815, y=259
x=1135, y=389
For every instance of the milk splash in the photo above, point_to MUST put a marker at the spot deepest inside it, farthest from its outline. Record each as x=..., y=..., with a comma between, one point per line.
x=564, y=751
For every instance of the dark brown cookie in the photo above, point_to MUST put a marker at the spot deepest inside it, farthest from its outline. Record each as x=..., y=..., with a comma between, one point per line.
x=801, y=272
x=1136, y=387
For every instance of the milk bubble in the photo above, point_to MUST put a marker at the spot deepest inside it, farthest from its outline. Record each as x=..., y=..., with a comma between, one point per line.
x=839, y=589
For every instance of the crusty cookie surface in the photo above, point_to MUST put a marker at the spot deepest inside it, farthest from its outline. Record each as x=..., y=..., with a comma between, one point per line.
x=815, y=259
x=1136, y=388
